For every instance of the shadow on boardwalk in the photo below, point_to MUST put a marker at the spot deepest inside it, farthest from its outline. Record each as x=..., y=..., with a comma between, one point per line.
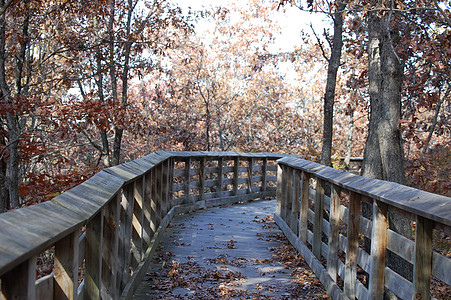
x=228, y=252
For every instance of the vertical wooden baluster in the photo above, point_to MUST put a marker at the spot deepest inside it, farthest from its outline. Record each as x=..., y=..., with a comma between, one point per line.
x=201, y=178
x=290, y=196
x=187, y=180
x=126, y=216
x=279, y=191
x=305, y=190
x=285, y=193
x=155, y=217
x=93, y=256
x=334, y=220
x=236, y=166
x=137, y=228
x=353, y=245
x=159, y=191
x=110, y=247
x=296, y=205
x=264, y=174
x=148, y=226
x=249, y=174
x=165, y=188
x=220, y=177
x=170, y=183
x=66, y=267
x=318, y=221
x=19, y=283
x=422, y=268
x=378, y=249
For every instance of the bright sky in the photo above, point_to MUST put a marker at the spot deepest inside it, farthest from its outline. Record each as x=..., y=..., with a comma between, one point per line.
x=292, y=20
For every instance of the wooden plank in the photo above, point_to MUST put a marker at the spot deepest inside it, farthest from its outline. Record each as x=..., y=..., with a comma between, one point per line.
x=422, y=269
x=318, y=222
x=220, y=178
x=110, y=248
x=202, y=178
x=296, y=205
x=137, y=223
x=148, y=227
x=353, y=245
x=236, y=164
x=305, y=192
x=378, y=250
x=125, y=233
x=19, y=283
x=398, y=284
x=187, y=179
x=264, y=173
x=66, y=267
x=440, y=267
x=44, y=288
x=279, y=191
x=249, y=174
x=289, y=198
x=332, y=257
x=93, y=257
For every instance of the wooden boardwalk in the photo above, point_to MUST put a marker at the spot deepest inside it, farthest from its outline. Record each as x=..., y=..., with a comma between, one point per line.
x=228, y=252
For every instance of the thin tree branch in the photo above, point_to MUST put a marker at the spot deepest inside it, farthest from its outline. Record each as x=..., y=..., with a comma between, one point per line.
x=320, y=44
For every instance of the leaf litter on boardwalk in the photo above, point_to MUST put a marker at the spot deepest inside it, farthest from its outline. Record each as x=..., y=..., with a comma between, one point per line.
x=190, y=280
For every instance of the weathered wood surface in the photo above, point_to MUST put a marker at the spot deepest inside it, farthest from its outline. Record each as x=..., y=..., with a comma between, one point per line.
x=432, y=206
x=204, y=236
x=344, y=224
x=121, y=207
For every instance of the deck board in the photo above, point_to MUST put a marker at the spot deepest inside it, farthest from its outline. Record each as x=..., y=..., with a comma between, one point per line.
x=230, y=240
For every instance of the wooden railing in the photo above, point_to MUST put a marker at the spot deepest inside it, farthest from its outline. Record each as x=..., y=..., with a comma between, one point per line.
x=347, y=246
x=100, y=235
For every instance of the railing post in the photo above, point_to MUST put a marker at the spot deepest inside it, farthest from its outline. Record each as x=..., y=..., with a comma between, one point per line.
x=66, y=267
x=305, y=194
x=279, y=190
x=126, y=219
x=137, y=223
x=187, y=179
x=318, y=221
x=220, y=177
x=165, y=188
x=290, y=198
x=110, y=248
x=236, y=166
x=93, y=256
x=149, y=227
x=249, y=174
x=201, y=178
x=264, y=174
x=19, y=283
x=353, y=245
x=155, y=215
x=423, y=258
x=378, y=250
x=296, y=202
x=334, y=220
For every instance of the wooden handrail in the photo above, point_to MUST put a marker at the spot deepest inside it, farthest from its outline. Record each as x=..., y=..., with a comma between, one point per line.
x=108, y=227
x=329, y=230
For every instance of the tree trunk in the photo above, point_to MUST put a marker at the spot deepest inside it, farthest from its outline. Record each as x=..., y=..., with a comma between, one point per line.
x=372, y=163
x=329, y=96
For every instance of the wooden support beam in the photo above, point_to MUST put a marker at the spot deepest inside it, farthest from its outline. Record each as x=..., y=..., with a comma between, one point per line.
x=296, y=202
x=202, y=161
x=249, y=174
x=236, y=165
x=110, y=248
x=305, y=190
x=66, y=267
x=353, y=245
x=137, y=223
x=93, y=257
x=19, y=283
x=422, y=268
x=334, y=220
x=264, y=174
x=220, y=177
x=318, y=221
x=378, y=250
x=148, y=224
x=125, y=234
x=187, y=179
x=279, y=191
